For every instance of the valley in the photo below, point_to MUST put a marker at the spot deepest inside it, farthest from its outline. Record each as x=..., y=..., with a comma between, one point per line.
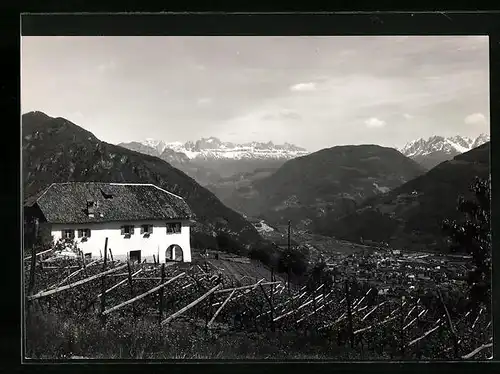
x=364, y=224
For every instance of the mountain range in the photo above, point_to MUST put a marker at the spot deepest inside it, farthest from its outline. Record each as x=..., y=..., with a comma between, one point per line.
x=411, y=215
x=209, y=159
x=57, y=150
x=213, y=148
x=436, y=149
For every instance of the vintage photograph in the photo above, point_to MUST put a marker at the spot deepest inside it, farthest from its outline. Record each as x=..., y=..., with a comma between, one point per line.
x=256, y=197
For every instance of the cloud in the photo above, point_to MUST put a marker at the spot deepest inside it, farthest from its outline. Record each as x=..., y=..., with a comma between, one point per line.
x=407, y=116
x=374, y=123
x=284, y=114
x=204, y=101
x=475, y=119
x=310, y=86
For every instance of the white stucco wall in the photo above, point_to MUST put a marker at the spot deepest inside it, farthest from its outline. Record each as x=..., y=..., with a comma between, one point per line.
x=156, y=243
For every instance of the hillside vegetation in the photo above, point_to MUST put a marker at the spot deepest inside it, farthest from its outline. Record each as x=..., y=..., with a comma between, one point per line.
x=334, y=179
x=410, y=216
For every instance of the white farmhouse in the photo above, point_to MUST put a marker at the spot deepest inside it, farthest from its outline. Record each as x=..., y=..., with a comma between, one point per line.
x=139, y=220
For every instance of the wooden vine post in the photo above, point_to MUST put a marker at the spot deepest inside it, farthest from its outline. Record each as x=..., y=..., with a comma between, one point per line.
x=401, y=327
x=349, y=313
x=103, y=283
x=129, y=269
x=84, y=264
x=160, y=294
x=314, y=299
x=31, y=284
x=451, y=327
x=209, y=306
x=288, y=265
x=209, y=311
x=419, y=353
x=270, y=302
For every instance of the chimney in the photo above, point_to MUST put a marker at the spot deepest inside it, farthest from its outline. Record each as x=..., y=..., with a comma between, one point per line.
x=90, y=208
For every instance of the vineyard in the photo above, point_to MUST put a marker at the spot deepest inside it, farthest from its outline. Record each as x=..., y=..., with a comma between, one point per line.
x=160, y=304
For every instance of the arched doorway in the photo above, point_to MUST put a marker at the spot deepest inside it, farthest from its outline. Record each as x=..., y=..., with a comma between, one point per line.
x=174, y=253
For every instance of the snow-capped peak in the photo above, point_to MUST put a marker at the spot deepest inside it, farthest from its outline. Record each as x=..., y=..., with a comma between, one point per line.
x=214, y=148
x=159, y=145
x=452, y=145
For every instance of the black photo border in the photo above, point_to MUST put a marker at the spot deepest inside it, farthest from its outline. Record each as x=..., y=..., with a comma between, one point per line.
x=244, y=23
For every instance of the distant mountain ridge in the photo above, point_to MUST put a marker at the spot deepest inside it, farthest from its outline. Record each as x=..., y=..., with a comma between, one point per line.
x=332, y=179
x=410, y=216
x=213, y=148
x=432, y=151
x=209, y=159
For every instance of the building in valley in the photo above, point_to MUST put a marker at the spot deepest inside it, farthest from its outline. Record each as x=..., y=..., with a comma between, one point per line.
x=139, y=220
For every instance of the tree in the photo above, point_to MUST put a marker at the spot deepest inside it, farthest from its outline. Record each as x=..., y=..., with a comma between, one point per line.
x=473, y=235
x=292, y=261
x=320, y=274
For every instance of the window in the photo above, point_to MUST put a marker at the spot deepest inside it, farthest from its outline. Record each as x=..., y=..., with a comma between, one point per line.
x=135, y=256
x=84, y=234
x=68, y=234
x=128, y=230
x=173, y=228
x=146, y=230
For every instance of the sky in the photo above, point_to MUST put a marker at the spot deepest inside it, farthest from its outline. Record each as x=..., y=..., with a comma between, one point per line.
x=314, y=92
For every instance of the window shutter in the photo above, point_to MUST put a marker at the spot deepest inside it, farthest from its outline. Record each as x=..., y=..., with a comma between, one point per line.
x=80, y=233
x=142, y=229
x=132, y=228
x=72, y=234
x=150, y=229
x=88, y=232
x=123, y=230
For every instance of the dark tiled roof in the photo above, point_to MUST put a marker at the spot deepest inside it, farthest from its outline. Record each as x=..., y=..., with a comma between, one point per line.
x=67, y=203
